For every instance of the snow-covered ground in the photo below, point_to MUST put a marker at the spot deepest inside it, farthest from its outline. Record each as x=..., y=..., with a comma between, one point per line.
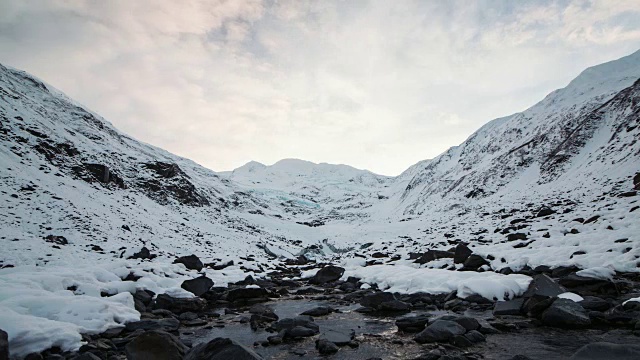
x=69, y=225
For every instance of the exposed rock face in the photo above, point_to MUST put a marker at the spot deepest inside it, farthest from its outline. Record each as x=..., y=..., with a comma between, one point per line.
x=191, y=262
x=158, y=345
x=440, y=331
x=327, y=274
x=461, y=254
x=4, y=345
x=566, y=313
x=197, y=286
x=222, y=349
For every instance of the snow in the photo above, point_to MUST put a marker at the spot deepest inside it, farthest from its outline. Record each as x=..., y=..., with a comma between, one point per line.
x=632, y=300
x=259, y=210
x=571, y=296
x=405, y=279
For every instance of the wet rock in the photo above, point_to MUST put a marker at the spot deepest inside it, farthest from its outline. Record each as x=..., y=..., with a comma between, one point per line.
x=191, y=262
x=327, y=274
x=338, y=337
x=434, y=255
x=221, y=349
x=543, y=286
x=461, y=341
x=412, y=324
x=461, y=254
x=301, y=321
x=179, y=305
x=605, y=350
x=486, y=328
x=440, y=331
x=475, y=336
x=394, y=306
x=536, y=305
x=197, y=286
x=309, y=290
x=300, y=332
x=4, y=345
x=384, y=301
x=566, y=313
x=158, y=345
x=318, y=311
x=168, y=324
x=468, y=323
x=326, y=347
x=509, y=307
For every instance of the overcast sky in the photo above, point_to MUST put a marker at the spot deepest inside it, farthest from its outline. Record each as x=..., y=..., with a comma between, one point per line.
x=378, y=85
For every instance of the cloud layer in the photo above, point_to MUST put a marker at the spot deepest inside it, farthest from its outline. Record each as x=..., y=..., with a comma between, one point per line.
x=373, y=84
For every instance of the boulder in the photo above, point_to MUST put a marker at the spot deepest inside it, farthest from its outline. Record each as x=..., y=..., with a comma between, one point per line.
x=545, y=211
x=144, y=253
x=250, y=293
x=179, y=305
x=168, y=324
x=588, y=286
x=440, y=331
x=434, y=255
x=475, y=336
x=191, y=262
x=318, y=311
x=461, y=254
x=157, y=345
x=566, y=313
x=510, y=307
x=221, y=349
x=543, y=286
x=327, y=274
x=384, y=301
x=412, y=324
x=595, y=303
x=605, y=350
x=4, y=345
x=326, y=347
x=197, y=286
x=289, y=324
x=474, y=262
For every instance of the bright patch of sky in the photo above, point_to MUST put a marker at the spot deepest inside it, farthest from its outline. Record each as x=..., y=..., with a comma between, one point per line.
x=374, y=84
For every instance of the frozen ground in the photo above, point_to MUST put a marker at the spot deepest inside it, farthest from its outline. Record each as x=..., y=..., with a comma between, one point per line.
x=78, y=197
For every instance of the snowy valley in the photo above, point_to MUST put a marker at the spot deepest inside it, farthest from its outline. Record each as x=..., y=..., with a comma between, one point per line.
x=541, y=206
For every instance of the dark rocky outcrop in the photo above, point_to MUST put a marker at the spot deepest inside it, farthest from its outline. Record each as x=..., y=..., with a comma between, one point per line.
x=327, y=274
x=434, y=255
x=179, y=305
x=440, y=331
x=412, y=324
x=566, y=313
x=299, y=326
x=4, y=345
x=245, y=294
x=157, y=345
x=191, y=262
x=221, y=349
x=166, y=324
x=326, y=347
x=144, y=253
x=197, y=286
x=461, y=254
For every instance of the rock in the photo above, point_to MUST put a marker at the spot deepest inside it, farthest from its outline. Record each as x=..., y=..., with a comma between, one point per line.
x=516, y=236
x=197, y=286
x=543, y=286
x=605, y=350
x=250, y=293
x=384, y=301
x=318, y=311
x=595, y=303
x=475, y=336
x=327, y=274
x=486, y=328
x=86, y=356
x=566, y=313
x=221, y=349
x=338, y=337
x=4, y=345
x=394, y=305
x=561, y=271
x=155, y=345
x=326, y=347
x=440, y=331
x=434, y=255
x=461, y=254
x=510, y=307
x=461, y=341
x=300, y=332
x=168, y=324
x=545, y=211
x=191, y=262
x=302, y=321
x=474, y=262
x=588, y=286
x=468, y=323
x=179, y=305
x=144, y=296
x=144, y=253
x=412, y=324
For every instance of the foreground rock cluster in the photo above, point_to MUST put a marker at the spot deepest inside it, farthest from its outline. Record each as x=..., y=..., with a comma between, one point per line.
x=557, y=298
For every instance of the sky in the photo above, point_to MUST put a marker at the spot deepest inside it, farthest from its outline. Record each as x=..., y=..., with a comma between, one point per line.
x=378, y=85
